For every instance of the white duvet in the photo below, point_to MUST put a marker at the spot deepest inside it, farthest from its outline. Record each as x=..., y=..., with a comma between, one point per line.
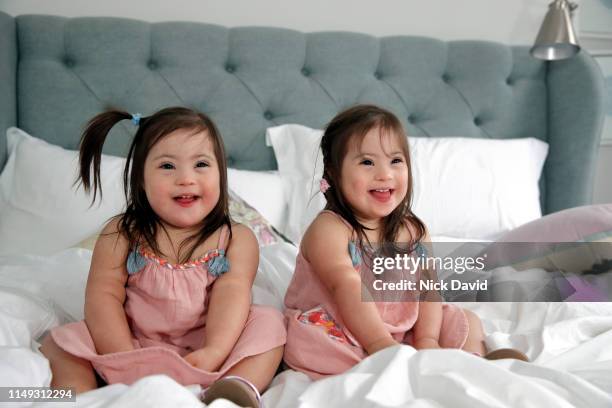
x=570, y=345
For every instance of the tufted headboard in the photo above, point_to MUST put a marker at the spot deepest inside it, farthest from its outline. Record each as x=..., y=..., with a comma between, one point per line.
x=56, y=73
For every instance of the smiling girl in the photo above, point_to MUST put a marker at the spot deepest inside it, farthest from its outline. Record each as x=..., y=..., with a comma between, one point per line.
x=367, y=181
x=169, y=288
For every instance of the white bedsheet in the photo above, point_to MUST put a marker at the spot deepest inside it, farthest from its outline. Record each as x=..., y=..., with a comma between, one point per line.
x=569, y=343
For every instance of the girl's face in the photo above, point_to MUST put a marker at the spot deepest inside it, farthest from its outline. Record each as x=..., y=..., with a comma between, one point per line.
x=181, y=178
x=374, y=177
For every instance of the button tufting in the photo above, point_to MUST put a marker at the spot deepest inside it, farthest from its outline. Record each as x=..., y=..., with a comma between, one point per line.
x=477, y=121
x=377, y=75
x=69, y=62
x=230, y=68
x=230, y=160
x=510, y=81
x=411, y=118
x=268, y=115
x=305, y=72
x=152, y=65
x=445, y=77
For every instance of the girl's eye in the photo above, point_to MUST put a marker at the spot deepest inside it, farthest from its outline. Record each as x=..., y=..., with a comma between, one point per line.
x=166, y=166
x=367, y=162
x=397, y=160
x=201, y=164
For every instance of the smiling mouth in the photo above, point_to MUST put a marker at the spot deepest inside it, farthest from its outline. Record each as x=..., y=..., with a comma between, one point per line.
x=186, y=200
x=382, y=195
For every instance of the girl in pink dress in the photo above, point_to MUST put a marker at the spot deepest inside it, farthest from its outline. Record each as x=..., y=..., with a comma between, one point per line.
x=169, y=289
x=368, y=186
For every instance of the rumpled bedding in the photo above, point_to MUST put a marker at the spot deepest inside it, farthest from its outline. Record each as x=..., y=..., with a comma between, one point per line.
x=569, y=345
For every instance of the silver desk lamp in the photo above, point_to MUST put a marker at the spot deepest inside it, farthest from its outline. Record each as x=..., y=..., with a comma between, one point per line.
x=556, y=39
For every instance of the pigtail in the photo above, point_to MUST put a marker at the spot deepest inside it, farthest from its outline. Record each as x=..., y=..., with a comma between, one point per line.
x=91, y=145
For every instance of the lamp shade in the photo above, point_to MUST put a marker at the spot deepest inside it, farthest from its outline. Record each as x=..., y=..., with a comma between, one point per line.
x=556, y=39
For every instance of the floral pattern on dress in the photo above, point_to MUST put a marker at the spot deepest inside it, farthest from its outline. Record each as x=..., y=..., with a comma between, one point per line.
x=319, y=317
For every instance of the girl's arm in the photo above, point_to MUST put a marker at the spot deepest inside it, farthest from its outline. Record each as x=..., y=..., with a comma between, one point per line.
x=427, y=327
x=230, y=301
x=325, y=246
x=105, y=293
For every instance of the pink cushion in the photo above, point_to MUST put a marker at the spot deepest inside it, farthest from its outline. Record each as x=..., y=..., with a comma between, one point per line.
x=591, y=223
x=587, y=223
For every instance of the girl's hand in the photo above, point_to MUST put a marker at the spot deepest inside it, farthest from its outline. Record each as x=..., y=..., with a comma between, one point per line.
x=380, y=344
x=207, y=359
x=426, y=343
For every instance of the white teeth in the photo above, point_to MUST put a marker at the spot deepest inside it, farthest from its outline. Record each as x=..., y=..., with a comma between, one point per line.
x=382, y=191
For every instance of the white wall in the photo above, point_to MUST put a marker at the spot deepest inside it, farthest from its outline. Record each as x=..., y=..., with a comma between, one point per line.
x=506, y=21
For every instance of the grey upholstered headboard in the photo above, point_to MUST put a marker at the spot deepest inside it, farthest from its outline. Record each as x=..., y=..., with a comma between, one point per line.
x=56, y=73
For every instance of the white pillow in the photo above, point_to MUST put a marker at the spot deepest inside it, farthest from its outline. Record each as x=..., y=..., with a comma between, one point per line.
x=300, y=165
x=477, y=188
x=41, y=212
x=263, y=190
x=463, y=187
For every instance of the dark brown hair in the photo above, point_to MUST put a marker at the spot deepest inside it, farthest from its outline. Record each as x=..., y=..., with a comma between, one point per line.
x=351, y=126
x=139, y=222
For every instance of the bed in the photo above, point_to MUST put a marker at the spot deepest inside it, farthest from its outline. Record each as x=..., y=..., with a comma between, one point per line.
x=58, y=72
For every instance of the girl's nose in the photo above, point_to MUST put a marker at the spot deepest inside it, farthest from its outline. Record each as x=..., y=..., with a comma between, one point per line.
x=185, y=178
x=383, y=173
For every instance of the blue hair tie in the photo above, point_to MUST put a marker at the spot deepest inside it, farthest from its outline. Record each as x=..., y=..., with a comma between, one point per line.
x=136, y=118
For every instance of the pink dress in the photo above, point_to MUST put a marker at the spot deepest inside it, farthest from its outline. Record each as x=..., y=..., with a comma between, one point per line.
x=166, y=309
x=319, y=343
